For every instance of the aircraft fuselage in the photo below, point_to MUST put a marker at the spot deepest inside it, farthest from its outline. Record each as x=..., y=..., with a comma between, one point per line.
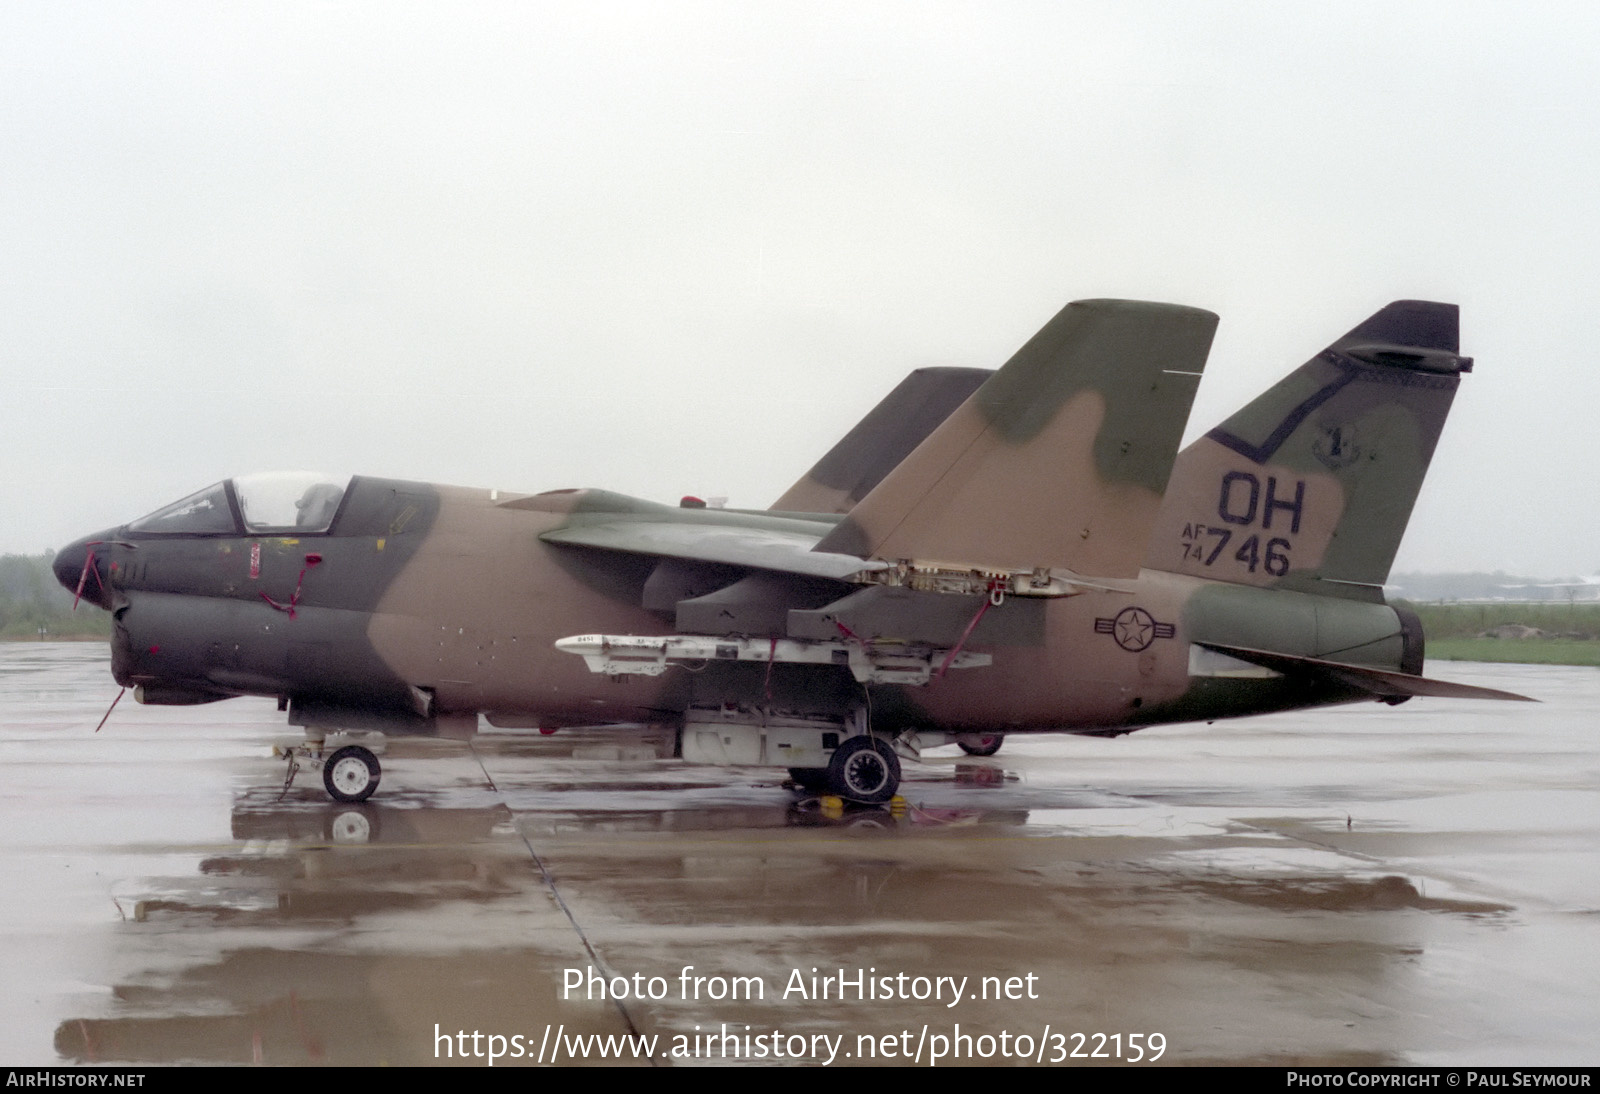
x=423, y=606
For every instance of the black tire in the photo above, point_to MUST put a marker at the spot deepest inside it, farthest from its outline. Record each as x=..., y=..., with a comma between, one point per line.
x=351, y=774
x=864, y=769
x=981, y=744
x=810, y=778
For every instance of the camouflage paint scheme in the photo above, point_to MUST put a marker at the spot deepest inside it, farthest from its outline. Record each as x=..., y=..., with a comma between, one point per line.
x=1040, y=515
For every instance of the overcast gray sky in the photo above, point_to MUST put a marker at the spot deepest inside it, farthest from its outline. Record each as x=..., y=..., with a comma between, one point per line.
x=675, y=248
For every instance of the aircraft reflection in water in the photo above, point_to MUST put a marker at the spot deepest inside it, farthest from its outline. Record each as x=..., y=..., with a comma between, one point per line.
x=266, y=952
x=984, y=554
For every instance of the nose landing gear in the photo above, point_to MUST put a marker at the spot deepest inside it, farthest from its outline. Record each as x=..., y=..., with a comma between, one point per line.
x=349, y=774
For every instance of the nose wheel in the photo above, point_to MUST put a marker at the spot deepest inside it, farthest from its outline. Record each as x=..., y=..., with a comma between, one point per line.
x=351, y=774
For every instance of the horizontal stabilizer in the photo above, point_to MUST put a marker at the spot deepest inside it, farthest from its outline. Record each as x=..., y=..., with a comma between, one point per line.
x=1381, y=683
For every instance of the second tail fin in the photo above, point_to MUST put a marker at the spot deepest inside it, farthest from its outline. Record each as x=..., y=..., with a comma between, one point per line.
x=881, y=440
x=1311, y=485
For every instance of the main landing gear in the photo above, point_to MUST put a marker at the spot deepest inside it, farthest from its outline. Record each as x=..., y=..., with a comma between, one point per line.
x=832, y=753
x=349, y=773
x=862, y=769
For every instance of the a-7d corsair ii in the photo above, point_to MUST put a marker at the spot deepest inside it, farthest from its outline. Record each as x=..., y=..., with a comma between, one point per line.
x=985, y=554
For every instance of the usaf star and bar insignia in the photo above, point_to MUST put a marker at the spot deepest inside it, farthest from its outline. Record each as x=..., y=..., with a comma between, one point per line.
x=1134, y=629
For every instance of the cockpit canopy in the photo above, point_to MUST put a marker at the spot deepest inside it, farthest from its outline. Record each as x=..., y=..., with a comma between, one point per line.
x=286, y=502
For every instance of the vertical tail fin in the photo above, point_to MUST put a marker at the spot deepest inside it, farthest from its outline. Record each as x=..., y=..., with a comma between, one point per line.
x=1311, y=485
x=1058, y=461
x=878, y=443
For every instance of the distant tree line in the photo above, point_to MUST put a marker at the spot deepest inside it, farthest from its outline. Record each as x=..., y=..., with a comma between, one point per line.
x=33, y=605
x=1436, y=588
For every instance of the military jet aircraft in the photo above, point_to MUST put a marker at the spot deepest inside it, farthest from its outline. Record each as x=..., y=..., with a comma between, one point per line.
x=986, y=554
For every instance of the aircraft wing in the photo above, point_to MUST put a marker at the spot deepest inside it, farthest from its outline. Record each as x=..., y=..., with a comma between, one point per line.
x=783, y=550
x=1381, y=683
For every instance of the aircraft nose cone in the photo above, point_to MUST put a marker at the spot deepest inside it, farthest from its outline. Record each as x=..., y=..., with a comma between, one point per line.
x=71, y=566
x=68, y=564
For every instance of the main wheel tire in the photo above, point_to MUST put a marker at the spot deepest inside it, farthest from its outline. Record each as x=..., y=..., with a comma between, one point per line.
x=864, y=769
x=810, y=778
x=981, y=744
x=351, y=774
